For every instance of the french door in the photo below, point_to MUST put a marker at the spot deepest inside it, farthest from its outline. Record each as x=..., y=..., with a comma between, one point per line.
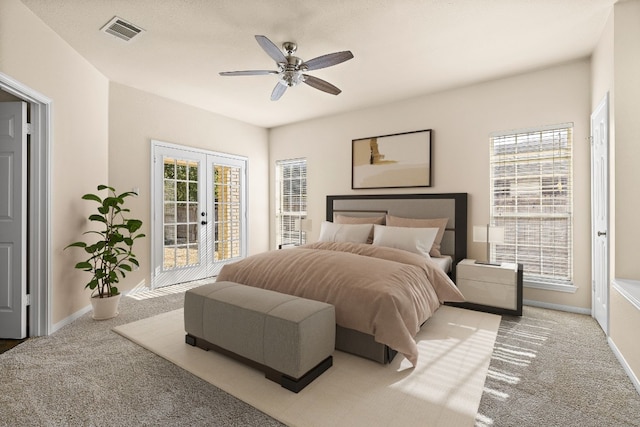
x=198, y=213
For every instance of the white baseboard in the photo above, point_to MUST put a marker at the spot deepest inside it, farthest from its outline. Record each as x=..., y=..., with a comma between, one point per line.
x=559, y=307
x=70, y=319
x=81, y=312
x=632, y=376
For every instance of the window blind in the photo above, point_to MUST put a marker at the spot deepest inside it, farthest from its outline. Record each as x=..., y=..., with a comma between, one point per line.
x=531, y=197
x=291, y=201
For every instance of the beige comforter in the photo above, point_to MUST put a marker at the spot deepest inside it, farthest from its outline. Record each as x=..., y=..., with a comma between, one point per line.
x=384, y=292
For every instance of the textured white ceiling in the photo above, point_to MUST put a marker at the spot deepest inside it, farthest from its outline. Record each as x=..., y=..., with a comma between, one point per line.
x=402, y=48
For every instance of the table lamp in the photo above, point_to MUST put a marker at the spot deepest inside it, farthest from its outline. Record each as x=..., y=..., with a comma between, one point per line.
x=488, y=234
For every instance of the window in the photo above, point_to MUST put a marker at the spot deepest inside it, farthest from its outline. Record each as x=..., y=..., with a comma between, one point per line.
x=531, y=197
x=291, y=201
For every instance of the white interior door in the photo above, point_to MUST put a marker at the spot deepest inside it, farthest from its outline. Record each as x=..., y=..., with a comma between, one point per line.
x=198, y=213
x=600, y=213
x=13, y=219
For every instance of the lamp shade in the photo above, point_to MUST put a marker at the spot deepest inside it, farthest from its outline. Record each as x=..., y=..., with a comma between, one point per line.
x=488, y=234
x=479, y=233
x=303, y=224
x=306, y=224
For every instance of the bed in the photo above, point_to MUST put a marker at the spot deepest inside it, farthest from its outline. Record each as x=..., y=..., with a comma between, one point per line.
x=382, y=294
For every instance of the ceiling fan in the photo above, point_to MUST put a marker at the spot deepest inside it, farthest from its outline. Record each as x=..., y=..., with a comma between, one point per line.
x=291, y=69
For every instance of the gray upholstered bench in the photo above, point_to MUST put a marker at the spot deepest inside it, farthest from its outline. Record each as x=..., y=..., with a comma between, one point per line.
x=288, y=337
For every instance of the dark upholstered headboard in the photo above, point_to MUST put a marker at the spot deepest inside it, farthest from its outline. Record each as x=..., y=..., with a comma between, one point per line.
x=446, y=205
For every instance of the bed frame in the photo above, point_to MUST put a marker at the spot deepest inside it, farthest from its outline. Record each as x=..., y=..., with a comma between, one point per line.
x=423, y=206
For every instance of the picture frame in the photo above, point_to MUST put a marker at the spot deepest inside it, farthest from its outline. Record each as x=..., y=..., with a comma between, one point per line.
x=392, y=161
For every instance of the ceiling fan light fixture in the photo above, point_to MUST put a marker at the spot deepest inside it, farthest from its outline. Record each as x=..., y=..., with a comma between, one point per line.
x=292, y=78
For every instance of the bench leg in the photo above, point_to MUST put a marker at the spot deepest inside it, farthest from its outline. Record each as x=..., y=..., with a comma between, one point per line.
x=295, y=385
x=290, y=383
x=190, y=339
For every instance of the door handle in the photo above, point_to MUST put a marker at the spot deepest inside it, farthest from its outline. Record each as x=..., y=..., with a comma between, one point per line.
x=602, y=233
x=203, y=222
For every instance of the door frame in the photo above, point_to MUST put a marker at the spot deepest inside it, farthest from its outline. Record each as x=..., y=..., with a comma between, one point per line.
x=39, y=212
x=156, y=194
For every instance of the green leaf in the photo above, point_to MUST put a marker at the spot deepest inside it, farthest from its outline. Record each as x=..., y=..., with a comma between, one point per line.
x=103, y=187
x=92, y=284
x=84, y=265
x=92, y=197
x=91, y=249
x=125, y=267
x=116, y=238
x=110, y=201
x=77, y=245
x=133, y=225
x=134, y=261
x=114, y=291
x=96, y=217
x=111, y=259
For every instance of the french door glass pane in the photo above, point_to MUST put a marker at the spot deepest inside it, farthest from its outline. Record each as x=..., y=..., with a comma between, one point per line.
x=180, y=191
x=226, y=196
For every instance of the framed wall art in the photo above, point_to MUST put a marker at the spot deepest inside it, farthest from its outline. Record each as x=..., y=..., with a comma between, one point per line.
x=392, y=161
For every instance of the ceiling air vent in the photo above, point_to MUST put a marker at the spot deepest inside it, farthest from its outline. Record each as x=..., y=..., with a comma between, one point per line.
x=122, y=29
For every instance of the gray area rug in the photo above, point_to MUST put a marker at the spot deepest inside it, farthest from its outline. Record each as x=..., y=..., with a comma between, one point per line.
x=549, y=369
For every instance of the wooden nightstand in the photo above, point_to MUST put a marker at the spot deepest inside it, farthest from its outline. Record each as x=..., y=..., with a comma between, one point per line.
x=493, y=288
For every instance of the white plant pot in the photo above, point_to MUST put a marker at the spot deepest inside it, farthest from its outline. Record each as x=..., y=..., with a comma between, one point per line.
x=105, y=308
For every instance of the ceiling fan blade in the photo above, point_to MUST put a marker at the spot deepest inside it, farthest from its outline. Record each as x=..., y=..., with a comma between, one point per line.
x=278, y=91
x=272, y=50
x=247, y=73
x=328, y=60
x=321, y=84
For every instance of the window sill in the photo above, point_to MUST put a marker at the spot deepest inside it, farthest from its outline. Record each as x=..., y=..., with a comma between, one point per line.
x=570, y=289
x=630, y=289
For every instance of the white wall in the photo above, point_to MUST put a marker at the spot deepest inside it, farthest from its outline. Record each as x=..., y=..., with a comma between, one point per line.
x=462, y=120
x=602, y=83
x=137, y=117
x=627, y=137
x=625, y=202
x=35, y=56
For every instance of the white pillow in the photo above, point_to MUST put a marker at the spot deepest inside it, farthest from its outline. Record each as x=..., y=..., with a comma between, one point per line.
x=356, y=233
x=416, y=240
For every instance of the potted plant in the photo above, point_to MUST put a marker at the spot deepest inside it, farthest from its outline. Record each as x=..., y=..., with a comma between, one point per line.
x=110, y=254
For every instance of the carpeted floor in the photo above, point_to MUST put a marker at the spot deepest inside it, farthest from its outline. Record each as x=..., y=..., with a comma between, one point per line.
x=548, y=369
x=552, y=368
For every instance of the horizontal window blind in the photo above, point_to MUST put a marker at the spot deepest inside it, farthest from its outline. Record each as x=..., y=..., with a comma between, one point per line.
x=291, y=201
x=531, y=197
